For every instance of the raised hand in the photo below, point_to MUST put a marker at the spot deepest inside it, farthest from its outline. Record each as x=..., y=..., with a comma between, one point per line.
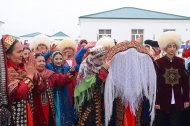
x=53, y=48
x=107, y=64
x=30, y=67
x=90, y=45
x=186, y=104
x=157, y=106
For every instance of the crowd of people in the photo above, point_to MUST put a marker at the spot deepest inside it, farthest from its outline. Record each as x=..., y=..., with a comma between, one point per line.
x=101, y=83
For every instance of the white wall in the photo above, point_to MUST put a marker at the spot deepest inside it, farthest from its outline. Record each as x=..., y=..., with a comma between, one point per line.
x=22, y=39
x=57, y=38
x=121, y=28
x=1, y=29
x=30, y=39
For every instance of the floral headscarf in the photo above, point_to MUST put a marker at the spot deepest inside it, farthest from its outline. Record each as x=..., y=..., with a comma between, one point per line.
x=86, y=77
x=88, y=67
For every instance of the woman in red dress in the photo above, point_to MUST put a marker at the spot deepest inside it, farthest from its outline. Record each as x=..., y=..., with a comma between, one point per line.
x=19, y=82
x=44, y=108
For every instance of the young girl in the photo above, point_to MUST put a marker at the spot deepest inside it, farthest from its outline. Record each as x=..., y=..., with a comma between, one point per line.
x=64, y=108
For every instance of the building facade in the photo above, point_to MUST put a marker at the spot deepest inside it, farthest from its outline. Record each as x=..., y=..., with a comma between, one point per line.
x=130, y=23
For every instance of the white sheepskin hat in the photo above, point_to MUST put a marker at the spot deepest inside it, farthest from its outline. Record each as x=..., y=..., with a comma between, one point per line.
x=168, y=38
x=106, y=42
x=40, y=39
x=67, y=43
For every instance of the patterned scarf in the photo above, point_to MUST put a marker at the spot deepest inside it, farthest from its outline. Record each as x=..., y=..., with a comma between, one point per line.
x=88, y=67
x=5, y=114
x=86, y=77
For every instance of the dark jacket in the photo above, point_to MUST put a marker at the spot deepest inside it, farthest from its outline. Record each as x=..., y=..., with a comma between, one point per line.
x=172, y=75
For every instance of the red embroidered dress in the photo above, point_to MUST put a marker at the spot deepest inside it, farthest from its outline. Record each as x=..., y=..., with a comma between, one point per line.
x=44, y=108
x=19, y=88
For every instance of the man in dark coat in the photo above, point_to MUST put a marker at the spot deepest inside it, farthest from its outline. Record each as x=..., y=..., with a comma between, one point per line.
x=172, y=82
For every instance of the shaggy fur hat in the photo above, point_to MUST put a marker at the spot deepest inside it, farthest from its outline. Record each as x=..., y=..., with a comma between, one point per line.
x=67, y=43
x=168, y=38
x=106, y=42
x=40, y=39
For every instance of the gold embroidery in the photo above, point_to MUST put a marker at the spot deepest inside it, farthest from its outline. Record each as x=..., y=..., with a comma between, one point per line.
x=119, y=112
x=172, y=76
x=96, y=107
x=9, y=40
x=12, y=85
x=123, y=46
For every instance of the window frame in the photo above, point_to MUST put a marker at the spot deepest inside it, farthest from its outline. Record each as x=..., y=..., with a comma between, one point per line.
x=135, y=35
x=106, y=32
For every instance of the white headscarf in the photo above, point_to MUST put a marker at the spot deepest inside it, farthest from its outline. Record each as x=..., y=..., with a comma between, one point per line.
x=131, y=76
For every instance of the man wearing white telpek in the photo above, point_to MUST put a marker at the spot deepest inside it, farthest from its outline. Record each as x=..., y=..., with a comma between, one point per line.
x=131, y=76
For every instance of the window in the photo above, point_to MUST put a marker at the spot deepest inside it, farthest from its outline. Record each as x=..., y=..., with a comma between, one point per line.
x=104, y=32
x=165, y=30
x=137, y=33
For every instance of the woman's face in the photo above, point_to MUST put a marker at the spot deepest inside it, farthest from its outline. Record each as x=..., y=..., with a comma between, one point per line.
x=83, y=44
x=147, y=48
x=40, y=63
x=58, y=59
x=17, y=54
x=26, y=54
x=68, y=54
x=42, y=48
x=99, y=61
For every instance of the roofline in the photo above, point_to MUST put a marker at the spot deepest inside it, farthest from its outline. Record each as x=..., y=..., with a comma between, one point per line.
x=29, y=34
x=2, y=22
x=85, y=16
x=135, y=18
x=100, y=12
x=59, y=36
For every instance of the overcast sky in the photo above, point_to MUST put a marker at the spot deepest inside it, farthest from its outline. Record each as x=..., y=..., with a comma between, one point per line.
x=50, y=16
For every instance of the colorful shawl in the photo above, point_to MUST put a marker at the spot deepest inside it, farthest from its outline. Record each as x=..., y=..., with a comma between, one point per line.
x=86, y=77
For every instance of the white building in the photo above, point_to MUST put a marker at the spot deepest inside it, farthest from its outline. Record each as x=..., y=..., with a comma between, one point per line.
x=1, y=28
x=129, y=23
x=29, y=37
x=58, y=36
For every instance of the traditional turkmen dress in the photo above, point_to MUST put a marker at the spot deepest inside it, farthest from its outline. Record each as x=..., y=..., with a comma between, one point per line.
x=20, y=95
